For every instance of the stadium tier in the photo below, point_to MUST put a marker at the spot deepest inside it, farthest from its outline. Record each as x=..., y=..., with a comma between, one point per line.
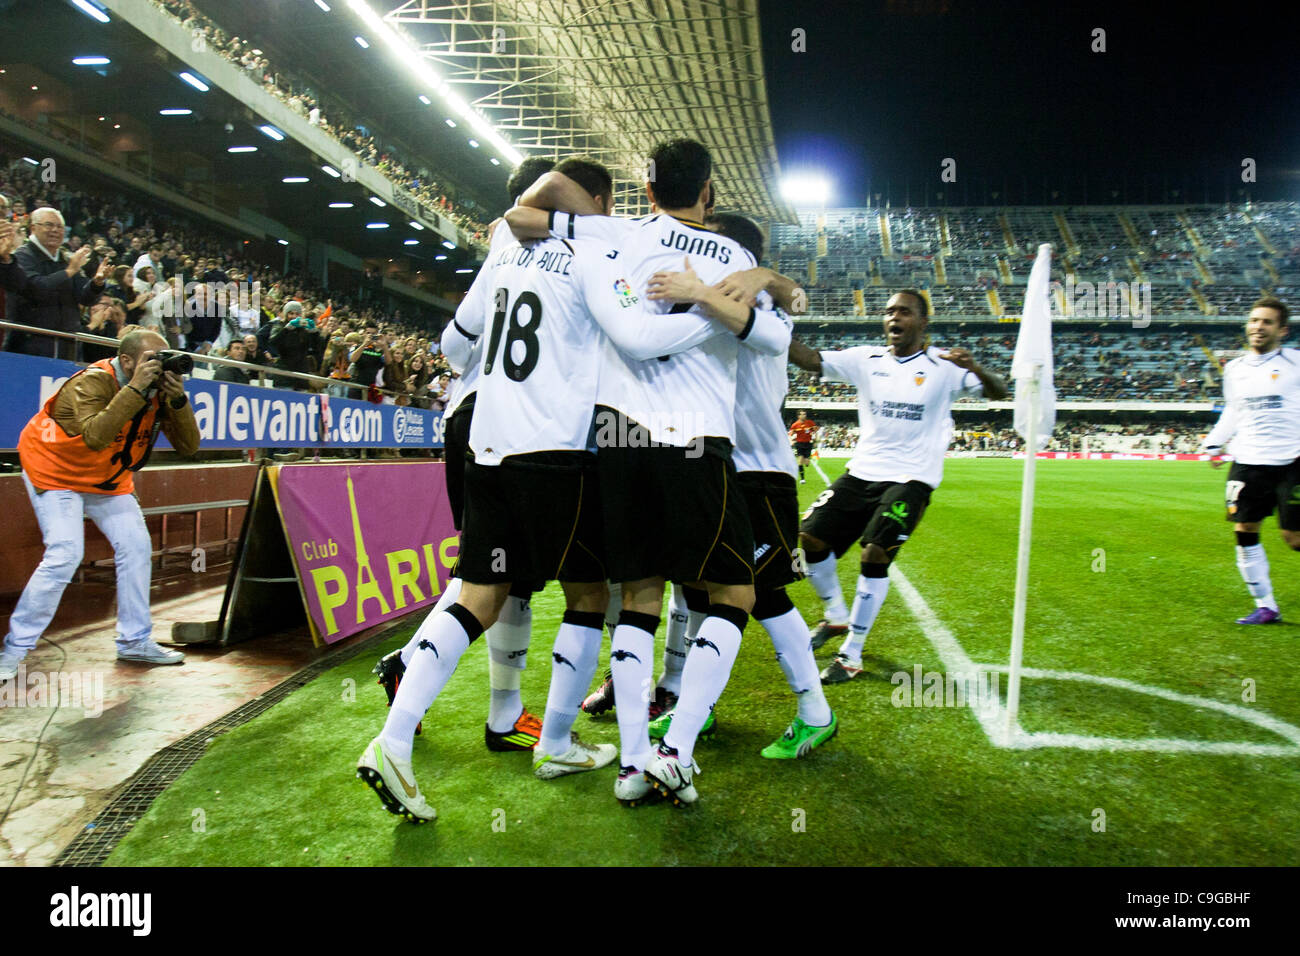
x=1199, y=260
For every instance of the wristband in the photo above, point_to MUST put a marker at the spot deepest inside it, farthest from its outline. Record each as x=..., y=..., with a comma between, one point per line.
x=136, y=390
x=749, y=325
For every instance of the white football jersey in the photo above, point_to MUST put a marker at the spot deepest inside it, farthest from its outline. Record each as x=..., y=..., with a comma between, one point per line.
x=541, y=349
x=904, y=410
x=761, y=386
x=477, y=299
x=1261, y=413
x=537, y=367
x=466, y=384
x=685, y=395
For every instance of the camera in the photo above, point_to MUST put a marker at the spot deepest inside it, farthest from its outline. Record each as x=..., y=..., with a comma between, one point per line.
x=179, y=362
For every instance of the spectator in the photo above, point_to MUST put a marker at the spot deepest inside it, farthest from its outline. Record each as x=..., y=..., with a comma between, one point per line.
x=369, y=357
x=238, y=351
x=153, y=258
x=294, y=340
x=417, y=382
x=337, y=363
x=107, y=317
x=207, y=314
x=55, y=291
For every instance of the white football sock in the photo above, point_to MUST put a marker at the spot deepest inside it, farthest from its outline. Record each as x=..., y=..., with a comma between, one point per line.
x=703, y=679
x=826, y=583
x=447, y=599
x=573, y=664
x=675, y=642
x=1252, y=562
x=789, y=633
x=507, y=642
x=866, y=605
x=437, y=652
x=632, y=666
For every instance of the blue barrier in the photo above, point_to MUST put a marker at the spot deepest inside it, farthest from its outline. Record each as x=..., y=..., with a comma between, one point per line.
x=236, y=416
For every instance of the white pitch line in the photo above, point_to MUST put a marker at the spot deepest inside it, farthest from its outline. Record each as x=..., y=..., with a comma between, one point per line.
x=993, y=715
x=992, y=718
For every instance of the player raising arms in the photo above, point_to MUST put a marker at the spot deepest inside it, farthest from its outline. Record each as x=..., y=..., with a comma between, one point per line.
x=665, y=431
x=802, y=432
x=1261, y=418
x=905, y=396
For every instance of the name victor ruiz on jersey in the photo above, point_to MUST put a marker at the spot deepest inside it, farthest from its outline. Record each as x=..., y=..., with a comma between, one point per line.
x=549, y=261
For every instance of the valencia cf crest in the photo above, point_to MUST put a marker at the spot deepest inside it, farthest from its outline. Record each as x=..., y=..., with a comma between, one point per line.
x=1275, y=374
x=919, y=378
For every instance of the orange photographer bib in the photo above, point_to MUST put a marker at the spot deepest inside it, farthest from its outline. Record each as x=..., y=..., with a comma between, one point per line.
x=55, y=460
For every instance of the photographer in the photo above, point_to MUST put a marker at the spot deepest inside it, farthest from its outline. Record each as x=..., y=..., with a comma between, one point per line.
x=79, y=454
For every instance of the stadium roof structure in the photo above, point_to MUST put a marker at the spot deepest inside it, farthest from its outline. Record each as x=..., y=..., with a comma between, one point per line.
x=609, y=80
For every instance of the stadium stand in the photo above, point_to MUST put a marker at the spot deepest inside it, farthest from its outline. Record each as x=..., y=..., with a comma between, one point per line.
x=125, y=228
x=1181, y=280
x=301, y=95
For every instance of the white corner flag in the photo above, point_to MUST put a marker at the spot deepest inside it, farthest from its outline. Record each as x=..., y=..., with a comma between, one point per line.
x=1035, y=417
x=1033, y=358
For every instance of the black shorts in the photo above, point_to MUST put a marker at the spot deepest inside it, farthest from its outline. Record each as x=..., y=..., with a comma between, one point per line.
x=1254, y=491
x=772, y=500
x=883, y=513
x=532, y=518
x=455, y=446
x=803, y=449
x=675, y=513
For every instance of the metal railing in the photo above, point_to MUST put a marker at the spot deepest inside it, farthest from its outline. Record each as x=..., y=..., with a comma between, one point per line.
x=261, y=370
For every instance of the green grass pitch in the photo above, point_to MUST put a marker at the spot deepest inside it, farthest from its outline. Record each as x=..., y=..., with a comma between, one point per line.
x=918, y=785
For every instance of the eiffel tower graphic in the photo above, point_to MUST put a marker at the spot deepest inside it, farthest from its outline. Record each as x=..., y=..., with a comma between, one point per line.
x=367, y=587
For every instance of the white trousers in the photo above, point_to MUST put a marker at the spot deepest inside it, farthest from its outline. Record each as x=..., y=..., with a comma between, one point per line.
x=62, y=515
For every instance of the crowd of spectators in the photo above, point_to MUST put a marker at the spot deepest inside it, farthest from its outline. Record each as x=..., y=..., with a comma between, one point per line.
x=1162, y=436
x=1123, y=364
x=1198, y=260
x=300, y=95
x=152, y=262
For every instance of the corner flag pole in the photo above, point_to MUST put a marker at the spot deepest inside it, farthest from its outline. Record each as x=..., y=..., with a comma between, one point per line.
x=1035, y=416
x=1022, y=555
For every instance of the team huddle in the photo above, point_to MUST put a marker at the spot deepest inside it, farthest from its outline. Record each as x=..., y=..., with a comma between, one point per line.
x=617, y=428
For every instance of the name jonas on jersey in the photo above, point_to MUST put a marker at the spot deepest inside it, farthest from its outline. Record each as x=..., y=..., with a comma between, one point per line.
x=911, y=411
x=552, y=260
x=697, y=246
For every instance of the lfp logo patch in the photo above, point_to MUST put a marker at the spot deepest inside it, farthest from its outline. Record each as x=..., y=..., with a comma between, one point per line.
x=626, y=297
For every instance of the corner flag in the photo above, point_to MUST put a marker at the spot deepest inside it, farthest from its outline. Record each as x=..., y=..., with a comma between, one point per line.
x=1033, y=358
x=1035, y=416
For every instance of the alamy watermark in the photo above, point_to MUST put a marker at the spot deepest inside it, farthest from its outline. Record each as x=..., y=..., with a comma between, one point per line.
x=979, y=689
x=38, y=689
x=1106, y=300
x=209, y=299
x=613, y=430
